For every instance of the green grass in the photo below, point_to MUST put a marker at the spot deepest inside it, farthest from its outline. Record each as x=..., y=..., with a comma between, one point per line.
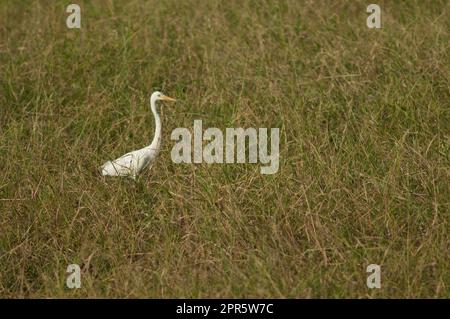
x=364, y=141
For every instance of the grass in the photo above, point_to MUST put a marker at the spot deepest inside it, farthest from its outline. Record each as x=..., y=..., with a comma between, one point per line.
x=364, y=142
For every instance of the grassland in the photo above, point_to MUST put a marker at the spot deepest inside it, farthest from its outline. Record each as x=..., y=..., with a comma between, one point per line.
x=364, y=145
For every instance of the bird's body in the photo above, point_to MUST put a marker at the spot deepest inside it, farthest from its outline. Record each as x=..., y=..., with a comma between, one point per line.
x=132, y=163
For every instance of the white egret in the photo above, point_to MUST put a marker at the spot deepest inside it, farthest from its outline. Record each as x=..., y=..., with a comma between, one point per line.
x=131, y=164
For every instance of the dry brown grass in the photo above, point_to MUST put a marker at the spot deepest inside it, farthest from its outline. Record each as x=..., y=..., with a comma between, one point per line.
x=364, y=172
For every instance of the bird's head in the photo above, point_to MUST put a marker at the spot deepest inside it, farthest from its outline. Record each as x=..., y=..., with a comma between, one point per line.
x=158, y=96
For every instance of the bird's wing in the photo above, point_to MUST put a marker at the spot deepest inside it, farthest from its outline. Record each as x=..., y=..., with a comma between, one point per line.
x=129, y=164
x=119, y=167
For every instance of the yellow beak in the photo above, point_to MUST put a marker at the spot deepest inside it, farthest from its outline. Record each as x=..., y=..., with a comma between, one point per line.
x=167, y=98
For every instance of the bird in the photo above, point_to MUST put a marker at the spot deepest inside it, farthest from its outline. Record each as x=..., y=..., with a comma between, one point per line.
x=132, y=163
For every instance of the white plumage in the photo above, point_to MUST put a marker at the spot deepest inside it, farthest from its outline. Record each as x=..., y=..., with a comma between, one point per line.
x=132, y=163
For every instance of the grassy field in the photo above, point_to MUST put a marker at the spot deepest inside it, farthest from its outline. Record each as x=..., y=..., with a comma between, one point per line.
x=364, y=149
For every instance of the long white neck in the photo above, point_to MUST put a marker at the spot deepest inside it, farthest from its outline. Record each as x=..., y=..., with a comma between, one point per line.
x=157, y=136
